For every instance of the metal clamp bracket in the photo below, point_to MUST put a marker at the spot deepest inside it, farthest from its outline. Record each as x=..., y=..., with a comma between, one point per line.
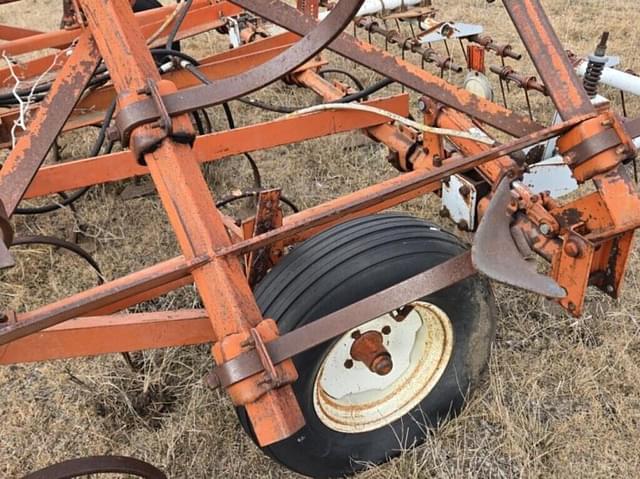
x=147, y=143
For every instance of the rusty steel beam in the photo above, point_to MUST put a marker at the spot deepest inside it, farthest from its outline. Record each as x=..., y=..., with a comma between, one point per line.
x=90, y=109
x=549, y=58
x=97, y=297
x=8, y=32
x=202, y=11
x=30, y=151
x=215, y=146
x=202, y=17
x=91, y=336
x=191, y=210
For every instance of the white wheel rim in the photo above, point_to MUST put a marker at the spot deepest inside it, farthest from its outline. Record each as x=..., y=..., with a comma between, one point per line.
x=355, y=400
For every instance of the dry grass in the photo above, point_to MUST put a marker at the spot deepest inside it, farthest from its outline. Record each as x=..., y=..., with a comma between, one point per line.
x=562, y=398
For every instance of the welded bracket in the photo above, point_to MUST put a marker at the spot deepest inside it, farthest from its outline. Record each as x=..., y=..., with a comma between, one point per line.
x=268, y=217
x=149, y=141
x=572, y=268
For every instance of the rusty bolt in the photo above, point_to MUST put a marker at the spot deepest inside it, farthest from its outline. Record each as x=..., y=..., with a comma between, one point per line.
x=386, y=330
x=544, y=228
x=464, y=190
x=348, y=364
x=401, y=314
x=573, y=249
x=113, y=134
x=356, y=334
x=437, y=160
x=463, y=225
x=444, y=212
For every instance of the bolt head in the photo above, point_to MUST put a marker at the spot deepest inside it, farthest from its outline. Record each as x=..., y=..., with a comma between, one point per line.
x=544, y=228
x=572, y=249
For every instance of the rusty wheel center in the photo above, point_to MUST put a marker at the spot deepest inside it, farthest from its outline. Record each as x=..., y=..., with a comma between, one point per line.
x=369, y=349
x=379, y=372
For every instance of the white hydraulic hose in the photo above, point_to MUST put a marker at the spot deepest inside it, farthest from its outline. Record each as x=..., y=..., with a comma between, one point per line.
x=400, y=119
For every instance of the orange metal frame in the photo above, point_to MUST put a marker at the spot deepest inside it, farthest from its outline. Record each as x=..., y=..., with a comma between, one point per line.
x=591, y=240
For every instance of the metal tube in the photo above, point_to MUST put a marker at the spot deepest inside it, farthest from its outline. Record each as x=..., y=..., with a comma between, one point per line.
x=614, y=78
x=371, y=7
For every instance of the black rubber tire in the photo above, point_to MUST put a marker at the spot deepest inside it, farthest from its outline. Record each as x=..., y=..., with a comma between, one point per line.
x=343, y=265
x=142, y=5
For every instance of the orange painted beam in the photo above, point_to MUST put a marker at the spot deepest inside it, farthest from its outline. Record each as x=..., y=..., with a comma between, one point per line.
x=97, y=335
x=215, y=146
x=149, y=20
x=90, y=109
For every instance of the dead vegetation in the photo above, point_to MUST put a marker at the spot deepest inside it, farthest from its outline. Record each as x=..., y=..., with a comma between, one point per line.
x=562, y=397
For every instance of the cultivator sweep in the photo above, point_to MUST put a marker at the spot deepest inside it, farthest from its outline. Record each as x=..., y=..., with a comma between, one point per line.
x=500, y=174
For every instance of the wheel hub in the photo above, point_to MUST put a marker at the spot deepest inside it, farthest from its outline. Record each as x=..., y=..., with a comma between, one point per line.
x=379, y=372
x=369, y=349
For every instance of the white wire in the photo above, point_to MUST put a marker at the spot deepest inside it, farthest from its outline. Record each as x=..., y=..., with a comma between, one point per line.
x=400, y=119
x=25, y=105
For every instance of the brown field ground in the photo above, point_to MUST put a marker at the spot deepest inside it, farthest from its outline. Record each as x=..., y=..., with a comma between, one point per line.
x=561, y=397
